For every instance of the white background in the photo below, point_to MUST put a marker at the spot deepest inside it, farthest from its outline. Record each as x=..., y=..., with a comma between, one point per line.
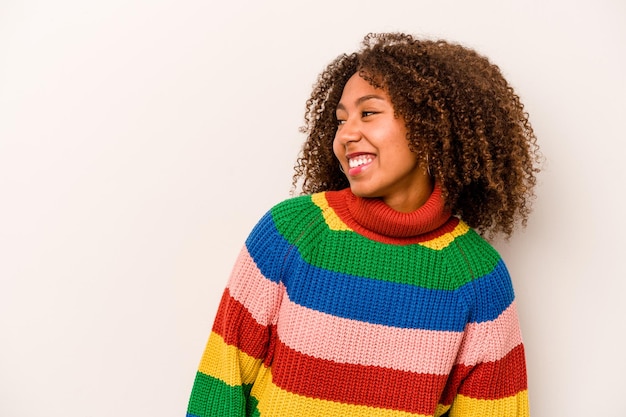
x=141, y=140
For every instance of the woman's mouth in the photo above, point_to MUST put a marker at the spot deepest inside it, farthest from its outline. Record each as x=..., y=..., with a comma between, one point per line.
x=359, y=163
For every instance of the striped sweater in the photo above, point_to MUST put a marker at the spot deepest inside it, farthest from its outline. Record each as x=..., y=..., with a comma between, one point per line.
x=341, y=306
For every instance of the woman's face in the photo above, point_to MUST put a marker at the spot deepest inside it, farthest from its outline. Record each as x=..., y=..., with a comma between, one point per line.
x=372, y=147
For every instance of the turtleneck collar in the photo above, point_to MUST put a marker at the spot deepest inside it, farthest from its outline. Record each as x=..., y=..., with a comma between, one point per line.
x=368, y=215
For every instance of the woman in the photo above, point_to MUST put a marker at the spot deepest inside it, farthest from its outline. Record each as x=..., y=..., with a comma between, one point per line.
x=374, y=294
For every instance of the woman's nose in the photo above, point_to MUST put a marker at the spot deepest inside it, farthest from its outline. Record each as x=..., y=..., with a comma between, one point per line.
x=348, y=131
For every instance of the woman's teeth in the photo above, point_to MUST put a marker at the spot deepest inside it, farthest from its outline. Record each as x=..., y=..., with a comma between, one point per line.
x=359, y=160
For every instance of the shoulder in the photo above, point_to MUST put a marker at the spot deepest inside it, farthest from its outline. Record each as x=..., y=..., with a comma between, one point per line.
x=293, y=207
x=474, y=249
x=474, y=262
x=488, y=286
x=286, y=219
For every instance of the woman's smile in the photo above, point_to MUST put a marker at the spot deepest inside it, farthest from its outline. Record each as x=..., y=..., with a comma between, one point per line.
x=359, y=162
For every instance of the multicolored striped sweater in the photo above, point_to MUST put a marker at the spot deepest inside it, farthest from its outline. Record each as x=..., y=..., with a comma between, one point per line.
x=341, y=306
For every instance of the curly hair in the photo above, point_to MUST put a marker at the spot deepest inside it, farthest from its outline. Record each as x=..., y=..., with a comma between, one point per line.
x=462, y=117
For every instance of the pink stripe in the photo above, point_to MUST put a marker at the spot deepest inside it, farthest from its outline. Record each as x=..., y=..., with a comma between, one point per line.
x=349, y=341
x=260, y=296
x=491, y=340
x=352, y=342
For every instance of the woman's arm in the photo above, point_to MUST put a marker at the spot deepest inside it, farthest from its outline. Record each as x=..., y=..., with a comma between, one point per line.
x=241, y=336
x=489, y=378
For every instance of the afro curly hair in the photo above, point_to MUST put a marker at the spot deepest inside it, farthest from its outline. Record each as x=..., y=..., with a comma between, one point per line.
x=462, y=117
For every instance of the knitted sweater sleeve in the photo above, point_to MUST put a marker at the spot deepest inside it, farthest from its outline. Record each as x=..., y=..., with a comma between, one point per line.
x=240, y=339
x=489, y=379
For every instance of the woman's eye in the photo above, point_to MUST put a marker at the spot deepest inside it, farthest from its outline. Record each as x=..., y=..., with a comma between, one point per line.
x=367, y=113
x=340, y=122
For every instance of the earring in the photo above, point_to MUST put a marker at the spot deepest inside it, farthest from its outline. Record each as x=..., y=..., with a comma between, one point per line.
x=428, y=167
x=341, y=168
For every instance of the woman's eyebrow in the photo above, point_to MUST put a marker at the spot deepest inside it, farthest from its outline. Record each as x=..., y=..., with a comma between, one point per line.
x=369, y=97
x=360, y=100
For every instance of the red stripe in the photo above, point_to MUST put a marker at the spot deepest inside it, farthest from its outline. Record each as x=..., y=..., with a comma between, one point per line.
x=355, y=384
x=238, y=328
x=490, y=380
x=366, y=385
x=499, y=379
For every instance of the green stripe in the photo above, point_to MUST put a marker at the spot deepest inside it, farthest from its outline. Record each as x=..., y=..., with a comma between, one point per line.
x=301, y=223
x=212, y=397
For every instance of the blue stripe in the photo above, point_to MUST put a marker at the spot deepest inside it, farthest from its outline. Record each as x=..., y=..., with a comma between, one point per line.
x=376, y=301
x=268, y=248
x=489, y=295
x=400, y=305
x=373, y=301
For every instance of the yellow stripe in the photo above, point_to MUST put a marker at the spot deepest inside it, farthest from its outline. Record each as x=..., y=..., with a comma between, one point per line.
x=274, y=401
x=515, y=406
x=228, y=363
x=330, y=217
x=442, y=242
x=441, y=410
